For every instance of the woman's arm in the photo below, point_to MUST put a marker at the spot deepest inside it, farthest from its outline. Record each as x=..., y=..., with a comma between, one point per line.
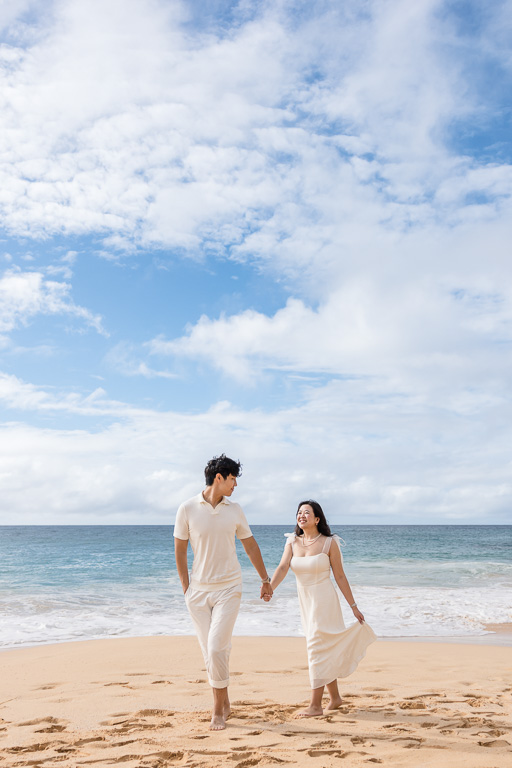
x=342, y=581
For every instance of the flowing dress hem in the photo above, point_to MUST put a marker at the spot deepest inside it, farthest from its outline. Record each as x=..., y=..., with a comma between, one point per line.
x=352, y=667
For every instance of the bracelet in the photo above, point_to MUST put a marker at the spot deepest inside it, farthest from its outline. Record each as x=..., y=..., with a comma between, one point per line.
x=353, y=605
x=266, y=581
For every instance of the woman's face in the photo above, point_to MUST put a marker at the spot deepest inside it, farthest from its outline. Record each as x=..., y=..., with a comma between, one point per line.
x=306, y=517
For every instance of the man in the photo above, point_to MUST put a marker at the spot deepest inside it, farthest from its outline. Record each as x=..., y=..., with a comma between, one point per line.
x=213, y=593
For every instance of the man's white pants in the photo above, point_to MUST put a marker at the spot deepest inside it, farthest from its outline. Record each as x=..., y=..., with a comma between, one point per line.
x=214, y=615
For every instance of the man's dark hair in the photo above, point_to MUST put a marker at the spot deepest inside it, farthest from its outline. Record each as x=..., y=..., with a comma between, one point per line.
x=221, y=464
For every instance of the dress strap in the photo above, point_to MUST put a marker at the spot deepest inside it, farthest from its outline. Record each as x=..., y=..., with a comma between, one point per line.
x=328, y=541
x=290, y=539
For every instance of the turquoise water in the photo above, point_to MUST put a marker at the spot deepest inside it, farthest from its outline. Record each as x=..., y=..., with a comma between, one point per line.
x=75, y=582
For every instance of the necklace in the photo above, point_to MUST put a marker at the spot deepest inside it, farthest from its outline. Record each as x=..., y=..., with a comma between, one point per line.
x=311, y=541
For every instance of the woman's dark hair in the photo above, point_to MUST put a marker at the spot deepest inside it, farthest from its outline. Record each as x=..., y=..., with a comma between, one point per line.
x=323, y=526
x=223, y=465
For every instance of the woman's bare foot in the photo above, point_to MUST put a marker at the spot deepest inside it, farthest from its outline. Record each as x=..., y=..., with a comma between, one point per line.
x=310, y=712
x=334, y=703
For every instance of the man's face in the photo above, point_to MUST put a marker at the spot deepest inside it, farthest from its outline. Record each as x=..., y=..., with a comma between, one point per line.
x=228, y=485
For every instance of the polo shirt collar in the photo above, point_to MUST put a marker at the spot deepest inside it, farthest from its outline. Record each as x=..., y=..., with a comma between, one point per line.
x=214, y=510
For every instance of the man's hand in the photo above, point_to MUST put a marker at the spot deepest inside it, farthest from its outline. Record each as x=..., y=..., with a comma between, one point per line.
x=253, y=553
x=266, y=592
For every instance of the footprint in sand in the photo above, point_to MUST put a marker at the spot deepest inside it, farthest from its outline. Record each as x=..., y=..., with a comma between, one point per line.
x=411, y=705
x=67, y=750
x=477, y=703
x=493, y=732
x=116, y=721
x=495, y=743
x=362, y=741
x=173, y=757
x=163, y=758
x=52, y=729
x=40, y=721
x=470, y=722
x=91, y=740
x=117, y=743
x=124, y=684
x=137, y=674
x=425, y=696
x=39, y=747
x=410, y=742
x=328, y=743
x=325, y=752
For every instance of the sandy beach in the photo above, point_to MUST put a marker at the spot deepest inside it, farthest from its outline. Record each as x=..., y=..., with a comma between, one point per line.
x=145, y=702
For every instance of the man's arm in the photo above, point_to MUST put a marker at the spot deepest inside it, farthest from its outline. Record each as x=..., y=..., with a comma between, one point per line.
x=180, y=551
x=254, y=554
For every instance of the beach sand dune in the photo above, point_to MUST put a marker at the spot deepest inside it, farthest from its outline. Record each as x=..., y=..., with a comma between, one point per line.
x=144, y=703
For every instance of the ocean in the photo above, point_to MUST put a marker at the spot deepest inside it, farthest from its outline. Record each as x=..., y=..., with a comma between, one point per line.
x=62, y=583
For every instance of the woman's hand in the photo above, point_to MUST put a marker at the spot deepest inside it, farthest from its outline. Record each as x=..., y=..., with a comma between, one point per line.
x=266, y=592
x=357, y=613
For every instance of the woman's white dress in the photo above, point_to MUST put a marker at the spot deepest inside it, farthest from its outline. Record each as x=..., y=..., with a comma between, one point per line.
x=333, y=650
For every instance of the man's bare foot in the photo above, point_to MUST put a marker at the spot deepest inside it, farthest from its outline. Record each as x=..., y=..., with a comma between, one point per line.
x=310, y=712
x=227, y=711
x=334, y=703
x=218, y=723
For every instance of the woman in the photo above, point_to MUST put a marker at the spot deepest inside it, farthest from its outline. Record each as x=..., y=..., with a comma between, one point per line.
x=333, y=651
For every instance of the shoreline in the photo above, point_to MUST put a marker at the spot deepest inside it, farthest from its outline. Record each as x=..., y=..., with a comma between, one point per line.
x=496, y=634
x=146, y=702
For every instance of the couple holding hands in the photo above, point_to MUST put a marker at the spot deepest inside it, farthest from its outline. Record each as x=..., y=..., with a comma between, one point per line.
x=211, y=521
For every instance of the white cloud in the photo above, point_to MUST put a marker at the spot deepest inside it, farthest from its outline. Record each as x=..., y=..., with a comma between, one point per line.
x=122, y=357
x=64, y=266
x=276, y=139
x=368, y=459
x=24, y=295
x=406, y=316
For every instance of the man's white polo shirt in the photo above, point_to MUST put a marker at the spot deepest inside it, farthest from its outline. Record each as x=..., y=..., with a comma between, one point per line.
x=212, y=531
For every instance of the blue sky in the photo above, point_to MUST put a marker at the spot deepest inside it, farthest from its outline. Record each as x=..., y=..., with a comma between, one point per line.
x=279, y=230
